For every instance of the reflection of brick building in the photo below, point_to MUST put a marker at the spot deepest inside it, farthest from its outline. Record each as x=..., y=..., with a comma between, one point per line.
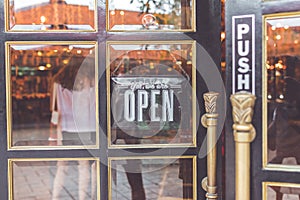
x=59, y=14
x=55, y=13
x=125, y=17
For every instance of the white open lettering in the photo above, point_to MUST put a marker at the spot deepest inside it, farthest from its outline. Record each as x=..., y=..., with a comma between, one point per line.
x=167, y=105
x=142, y=103
x=154, y=106
x=129, y=105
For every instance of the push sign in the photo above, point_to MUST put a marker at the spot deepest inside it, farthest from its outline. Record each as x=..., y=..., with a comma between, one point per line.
x=243, y=54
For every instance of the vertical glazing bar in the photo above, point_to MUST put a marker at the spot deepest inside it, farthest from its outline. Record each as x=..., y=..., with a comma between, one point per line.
x=209, y=120
x=244, y=134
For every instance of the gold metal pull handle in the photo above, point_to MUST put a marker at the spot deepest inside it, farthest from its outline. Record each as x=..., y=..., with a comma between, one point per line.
x=209, y=121
x=244, y=133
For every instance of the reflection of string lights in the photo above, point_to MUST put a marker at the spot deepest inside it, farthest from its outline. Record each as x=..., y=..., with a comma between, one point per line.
x=65, y=61
x=278, y=37
x=281, y=96
x=223, y=35
x=280, y=65
x=269, y=96
x=122, y=13
x=41, y=68
x=178, y=62
x=43, y=19
x=39, y=53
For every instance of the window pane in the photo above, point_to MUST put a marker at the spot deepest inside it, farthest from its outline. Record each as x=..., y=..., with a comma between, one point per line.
x=283, y=85
x=52, y=94
x=51, y=15
x=53, y=179
x=136, y=15
x=283, y=191
x=151, y=179
x=151, y=94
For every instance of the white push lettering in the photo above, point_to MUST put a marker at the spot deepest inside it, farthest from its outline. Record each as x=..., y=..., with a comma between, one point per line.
x=243, y=47
x=243, y=51
x=243, y=65
x=241, y=30
x=243, y=82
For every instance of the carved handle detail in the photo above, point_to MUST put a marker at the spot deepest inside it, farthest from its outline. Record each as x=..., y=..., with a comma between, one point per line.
x=242, y=107
x=210, y=102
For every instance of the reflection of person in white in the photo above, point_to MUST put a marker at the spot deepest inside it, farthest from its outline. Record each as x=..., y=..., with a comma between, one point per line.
x=75, y=95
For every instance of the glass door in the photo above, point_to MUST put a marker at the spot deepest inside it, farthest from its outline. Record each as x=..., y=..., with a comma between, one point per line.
x=274, y=165
x=102, y=99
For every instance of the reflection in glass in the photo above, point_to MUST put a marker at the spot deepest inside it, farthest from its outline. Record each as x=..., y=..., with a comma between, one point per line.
x=46, y=79
x=283, y=84
x=134, y=15
x=151, y=94
x=51, y=15
x=49, y=180
x=151, y=179
x=283, y=193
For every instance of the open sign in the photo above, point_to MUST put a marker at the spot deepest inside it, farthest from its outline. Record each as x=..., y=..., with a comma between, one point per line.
x=148, y=99
x=156, y=108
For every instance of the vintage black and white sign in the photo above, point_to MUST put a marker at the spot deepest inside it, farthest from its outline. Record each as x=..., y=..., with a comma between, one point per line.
x=243, y=53
x=151, y=106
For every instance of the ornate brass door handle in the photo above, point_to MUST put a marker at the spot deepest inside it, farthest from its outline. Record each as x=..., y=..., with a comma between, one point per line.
x=244, y=133
x=209, y=120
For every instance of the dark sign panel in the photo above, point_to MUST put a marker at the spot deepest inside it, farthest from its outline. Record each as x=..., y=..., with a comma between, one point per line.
x=152, y=100
x=154, y=108
x=243, y=54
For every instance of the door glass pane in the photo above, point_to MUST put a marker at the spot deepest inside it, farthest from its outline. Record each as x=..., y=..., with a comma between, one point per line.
x=54, y=179
x=150, y=178
x=163, y=15
x=52, y=15
x=283, y=84
x=152, y=101
x=282, y=191
x=52, y=94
